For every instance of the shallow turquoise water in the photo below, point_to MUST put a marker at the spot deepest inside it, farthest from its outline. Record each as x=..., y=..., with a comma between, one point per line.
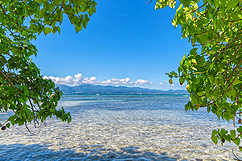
x=120, y=127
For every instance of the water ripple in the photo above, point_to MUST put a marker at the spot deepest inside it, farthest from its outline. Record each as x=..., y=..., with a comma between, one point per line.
x=122, y=131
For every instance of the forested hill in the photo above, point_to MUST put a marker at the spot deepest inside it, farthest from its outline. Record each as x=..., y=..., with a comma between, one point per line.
x=97, y=89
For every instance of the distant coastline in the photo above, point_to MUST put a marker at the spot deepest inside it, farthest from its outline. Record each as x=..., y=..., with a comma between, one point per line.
x=126, y=94
x=109, y=90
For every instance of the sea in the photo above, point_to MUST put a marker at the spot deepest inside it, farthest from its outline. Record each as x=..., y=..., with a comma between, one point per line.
x=120, y=128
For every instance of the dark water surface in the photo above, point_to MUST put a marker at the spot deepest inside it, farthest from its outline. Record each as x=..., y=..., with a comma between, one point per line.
x=120, y=127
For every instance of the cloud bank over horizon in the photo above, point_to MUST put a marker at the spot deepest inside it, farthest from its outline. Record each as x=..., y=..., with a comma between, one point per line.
x=78, y=79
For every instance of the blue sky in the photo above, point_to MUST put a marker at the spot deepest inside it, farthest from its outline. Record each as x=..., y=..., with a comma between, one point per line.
x=125, y=43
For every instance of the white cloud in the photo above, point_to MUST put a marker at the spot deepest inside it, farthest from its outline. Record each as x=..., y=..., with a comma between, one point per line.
x=78, y=79
x=162, y=84
x=45, y=77
x=116, y=81
x=141, y=82
x=91, y=80
x=67, y=80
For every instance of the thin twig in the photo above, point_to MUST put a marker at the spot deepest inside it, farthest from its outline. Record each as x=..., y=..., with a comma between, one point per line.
x=236, y=158
x=30, y=131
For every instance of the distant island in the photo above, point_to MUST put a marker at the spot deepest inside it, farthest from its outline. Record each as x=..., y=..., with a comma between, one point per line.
x=97, y=89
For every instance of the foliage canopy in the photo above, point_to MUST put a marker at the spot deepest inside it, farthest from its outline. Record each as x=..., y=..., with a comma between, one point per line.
x=213, y=75
x=23, y=89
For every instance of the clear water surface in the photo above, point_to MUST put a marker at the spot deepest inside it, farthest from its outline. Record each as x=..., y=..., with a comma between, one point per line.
x=122, y=128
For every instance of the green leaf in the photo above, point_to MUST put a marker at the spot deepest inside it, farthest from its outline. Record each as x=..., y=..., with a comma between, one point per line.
x=203, y=38
x=236, y=141
x=232, y=4
x=227, y=137
x=8, y=125
x=223, y=132
x=239, y=129
x=237, y=81
x=56, y=29
x=39, y=1
x=181, y=80
x=48, y=30
x=208, y=109
x=174, y=23
x=186, y=3
x=193, y=51
x=198, y=72
x=219, y=76
x=214, y=137
x=211, y=79
x=231, y=93
x=233, y=134
x=170, y=81
x=236, y=16
x=74, y=19
x=78, y=28
x=202, y=93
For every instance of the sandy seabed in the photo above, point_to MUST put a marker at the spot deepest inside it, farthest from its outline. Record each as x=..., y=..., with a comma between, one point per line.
x=122, y=135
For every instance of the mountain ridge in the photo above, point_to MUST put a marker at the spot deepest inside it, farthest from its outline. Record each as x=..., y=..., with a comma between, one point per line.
x=97, y=89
